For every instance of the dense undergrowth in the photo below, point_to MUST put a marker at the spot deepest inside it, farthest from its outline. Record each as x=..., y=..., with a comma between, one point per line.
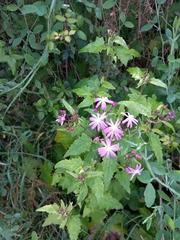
x=59, y=59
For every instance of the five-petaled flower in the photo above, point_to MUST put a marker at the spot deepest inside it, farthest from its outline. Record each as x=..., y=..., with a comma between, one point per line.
x=108, y=149
x=98, y=121
x=61, y=119
x=113, y=130
x=102, y=101
x=130, y=119
x=135, y=171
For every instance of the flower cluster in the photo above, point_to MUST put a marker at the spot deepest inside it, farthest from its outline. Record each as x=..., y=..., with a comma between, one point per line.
x=163, y=115
x=64, y=120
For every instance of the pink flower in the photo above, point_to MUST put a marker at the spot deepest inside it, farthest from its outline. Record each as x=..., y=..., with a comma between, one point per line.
x=102, y=101
x=108, y=149
x=135, y=171
x=61, y=119
x=130, y=119
x=113, y=130
x=97, y=121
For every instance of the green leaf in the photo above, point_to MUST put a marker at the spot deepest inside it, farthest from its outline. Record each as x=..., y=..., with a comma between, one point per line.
x=109, y=4
x=84, y=91
x=38, y=29
x=81, y=145
x=88, y=101
x=82, y=193
x=177, y=223
x=164, y=196
x=34, y=236
x=12, y=7
x=168, y=220
x=109, y=167
x=29, y=9
x=51, y=208
x=136, y=108
x=95, y=47
x=120, y=41
x=97, y=186
x=80, y=21
x=169, y=125
x=74, y=226
x=81, y=35
x=174, y=175
x=147, y=27
x=71, y=20
x=60, y=18
x=52, y=219
x=144, y=177
x=161, y=1
x=108, y=202
x=158, y=83
x=156, y=147
x=73, y=164
x=98, y=13
x=29, y=59
x=159, y=170
x=124, y=180
x=108, y=85
x=150, y=195
x=124, y=55
x=64, y=137
x=128, y=24
x=136, y=72
x=68, y=107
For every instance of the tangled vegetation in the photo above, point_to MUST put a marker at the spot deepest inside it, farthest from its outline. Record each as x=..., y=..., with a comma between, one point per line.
x=90, y=119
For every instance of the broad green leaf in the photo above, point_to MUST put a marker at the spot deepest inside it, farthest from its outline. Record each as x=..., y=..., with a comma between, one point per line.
x=34, y=236
x=120, y=41
x=177, y=223
x=97, y=186
x=98, y=13
x=156, y=147
x=81, y=35
x=136, y=108
x=144, y=177
x=82, y=193
x=124, y=180
x=124, y=55
x=168, y=220
x=68, y=107
x=150, y=195
x=11, y=63
x=108, y=85
x=64, y=137
x=95, y=47
x=12, y=7
x=52, y=219
x=29, y=59
x=29, y=9
x=80, y=21
x=164, y=196
x=128, y=24
x=44, y=58
x=174, y=175
x=73, y=164
x=159, y=170
x=161, y=1
x=147, y=27
x=169, y=125
x=108, y=202
x=158, y=83
x=81, y=145
x=136, y=72
x=109, y=4
x=84, y=91
x=74, y=226
x=109, y=167
x=51, y=208
x=38, y=29
x=88, y=101
x=41, y=6
x=71, y=20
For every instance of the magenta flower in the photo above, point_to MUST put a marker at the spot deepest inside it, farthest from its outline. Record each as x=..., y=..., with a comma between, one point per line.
x=113, y=130
x=61, y=119
x=108, y=149
x=102, y=101
x=135, y=171
x=97, y=121
x=130, y=119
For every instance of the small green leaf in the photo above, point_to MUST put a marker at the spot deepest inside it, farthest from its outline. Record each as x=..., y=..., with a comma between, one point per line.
x=147, y=27
x=68, y=107
x=136, y=72
x=128, y=24
x=168, y=220
x=164, y=196
x=144, y=177
x=60, y=18
x=29, y=59
x=88, y=101
x=64, y=137
x=136, y=108
x=38, y=29
x=158, y=83
x=95, y=47
x=80, y=21
x=156, y=146
x=34, y=236
x=161, y=1
x=120, y=41
x=51, y=208
x=82, y=193
x=174, y=175
x=71, y=20
x=29, y=9
x=81, y=145
x=124, y=180
x=108, y=202
x=150, y=195
x=81, y=35
x=122, y=17
x=108, y=85
x=74, y=226
x=109, y=4
x=12, y=7
x=98, y=13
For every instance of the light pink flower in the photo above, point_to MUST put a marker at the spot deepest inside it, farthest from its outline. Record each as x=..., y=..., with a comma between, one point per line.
x=102, y=101
x=113, y=130
x=108, y=149
x=61, y=119
x=98, y=121
x=135, y=171
x=130, y=119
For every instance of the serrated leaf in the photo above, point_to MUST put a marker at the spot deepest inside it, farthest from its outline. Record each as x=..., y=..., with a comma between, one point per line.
x=120, y=41
x=81, y=145
x=68, y=107
x=97, y=186
x=109, y=166
x=108, y=85
x=150, y=195
x=84, y=91
x=136, y=72
x=86, y=102
x=108, y=202
x=82, y=193
x=74, y=226
x=72, y=164
x=51, y=208
x=95, y=47
x=123, y=179
x=158, y=83
x=136, y=108
x=156, y=147
x=52, y=219
x=124, y=55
